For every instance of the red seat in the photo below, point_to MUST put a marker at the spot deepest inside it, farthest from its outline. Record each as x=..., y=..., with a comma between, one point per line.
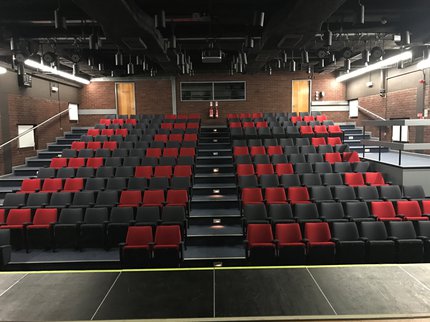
x=131, y=121
x=94, y=145
x=167, y=246
x=182, y=116
x=321, y=250
x=30, y=186
x=193, y=125
x=374, y=179
x=257, y=150
x=245, y=169
x=261, y=124
x=244, y=115
x=284, y=168
x=240, y=150
x=73, y=184
x=183, y=171
x=251, y=196
x=52, y=185
x=170, y=116
x=76, y=163
x=190, y=137
x=350, y=157
x=106, y=122
x=308, y=118
x=426, y=206
x=332, y=157
x=110, y=145
x=95, y=162
x=170, y=152
x=78, y=145
x=335, y=130
x=181, y=126
x=130, y=198
x=43, y=219
x=122, y=132
x=17, y=219
x=257, y=115
x=118, y=121
x=306, y=131
x=138, y=237
x=154, y=198
x=298, y=195
x=177, y=198
x=167, y=126
x=153, y=152
x=176, y=137
x=187, y=152
x=161, y=138
x=163, y=171
x=318, y=141
x=264, y=169
x=2, y=216
x=248, y=124
x=260, y=243
x=295, y=119
x=334, y=140
x=232, y=116
x=291, y=247
x=93, y=132
x=384, y=211
x=320, y=131
x=194, y=116
x=58, y=163
x=410, y=210
x=108, y=132
x=353, y=179
x=234, y=125
x=275, y=195
x=272, y=150
x=143, y=171
x=321, y=118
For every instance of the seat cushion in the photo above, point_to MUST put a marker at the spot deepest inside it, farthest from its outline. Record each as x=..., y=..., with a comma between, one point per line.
x=136, y=247
x=12, y=227
x=328, y=244
x=261, y=245
x=298, y=244
x=38, y=227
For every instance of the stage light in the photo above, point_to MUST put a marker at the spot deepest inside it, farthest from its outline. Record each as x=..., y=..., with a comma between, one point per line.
x=119, y=59
x=380, y=64
x=2, y=70
x=48, y=69
x=261, y=22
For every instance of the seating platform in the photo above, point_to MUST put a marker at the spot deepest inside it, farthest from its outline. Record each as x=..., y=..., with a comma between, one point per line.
x=219, y=293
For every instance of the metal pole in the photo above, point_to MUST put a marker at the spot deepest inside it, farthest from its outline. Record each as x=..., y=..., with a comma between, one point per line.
x=364, y=145
x=380, y=136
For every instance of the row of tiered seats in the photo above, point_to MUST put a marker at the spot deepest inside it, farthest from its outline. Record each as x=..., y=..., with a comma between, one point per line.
x=342, y=242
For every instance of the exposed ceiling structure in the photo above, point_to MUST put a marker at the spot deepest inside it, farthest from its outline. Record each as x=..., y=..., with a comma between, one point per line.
x=149, y=37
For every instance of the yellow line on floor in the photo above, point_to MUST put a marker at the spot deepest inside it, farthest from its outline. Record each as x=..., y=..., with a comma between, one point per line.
x=184, y=269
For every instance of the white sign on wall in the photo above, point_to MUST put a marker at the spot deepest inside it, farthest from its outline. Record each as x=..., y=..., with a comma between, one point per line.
x=353, y=108
x=73, y=112
x=27, y=140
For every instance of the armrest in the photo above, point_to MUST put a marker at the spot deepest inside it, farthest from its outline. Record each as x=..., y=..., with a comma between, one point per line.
x=335, y=240
x=132, y=222
x=365, y=239
x=26, y=224
x=400, y=215
x=305, y=240
x=423, y=237
x=393, y=238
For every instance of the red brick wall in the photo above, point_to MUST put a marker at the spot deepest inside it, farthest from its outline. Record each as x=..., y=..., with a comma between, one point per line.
x=98, y=95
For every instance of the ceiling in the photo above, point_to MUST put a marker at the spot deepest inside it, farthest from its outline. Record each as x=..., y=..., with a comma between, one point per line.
x=162, y=33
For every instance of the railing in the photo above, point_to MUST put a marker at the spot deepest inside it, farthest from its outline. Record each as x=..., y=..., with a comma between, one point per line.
x=33, y=128
x=370, y=114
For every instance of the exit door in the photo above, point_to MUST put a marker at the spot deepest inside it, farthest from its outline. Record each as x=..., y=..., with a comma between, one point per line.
x=300, y=95
x=125, y=98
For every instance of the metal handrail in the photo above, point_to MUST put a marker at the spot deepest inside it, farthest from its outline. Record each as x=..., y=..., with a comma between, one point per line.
x=372, y=115
x=33, y=128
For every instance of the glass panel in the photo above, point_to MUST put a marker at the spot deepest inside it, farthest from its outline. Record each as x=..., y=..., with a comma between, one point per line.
x=196, y=91
x=229, y=91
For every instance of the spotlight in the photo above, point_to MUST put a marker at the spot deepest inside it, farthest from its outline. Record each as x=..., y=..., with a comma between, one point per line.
x=322, y=63
x=305, y=57
x=215, y=153
x=261, y=21
x=376, y=53
x=163, y=19
x=119, y=60
x=130, y=66
x=407, y=38
x=365, y=56
x=347, y=65
x=91, y=62
x=101, y=67
x=347, y=52
x=251, y=43
x=293, y=66
x=361, y=12
x=92, y=41
x=173, y=42
x=323, y=52
x=328, y=37
x=285, y=57
x=270, y=71
x=75, y=69
x=59, y=20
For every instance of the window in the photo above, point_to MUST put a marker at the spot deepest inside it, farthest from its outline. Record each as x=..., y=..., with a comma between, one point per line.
x=213, y=91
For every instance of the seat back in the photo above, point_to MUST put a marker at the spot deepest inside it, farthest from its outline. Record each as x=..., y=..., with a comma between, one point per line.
x=383, y=209
x=345, y=231
x=96, y=216
x=259, y=233
x=288, y=233
x=70, y=216
x=168, y=235
x=18, y=216
x=401, y=229
x=317, y=232
x=139, y=236
x=409, y=208
x=373, y=230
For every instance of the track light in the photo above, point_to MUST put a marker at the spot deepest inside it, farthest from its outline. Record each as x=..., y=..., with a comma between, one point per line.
x=380, y=64
x=75, y=69
x=48, y=69
x=361, y=12
x=156, y=21
x=293, y=66
x=101, y=67
x=119, y=60
x=305, y=57
x=261, y=20
x=279, y=63
x=328, y=38
x=365, y=56
x=347, y=65
x=92, y=41
x=173, y=42
x=163, y=19
x=376, y=53
x=251, y=43
x=130, y=66
x=59, y=20
x=407, y=38
x=322, y=63
x=245, y=58
x=285, y=57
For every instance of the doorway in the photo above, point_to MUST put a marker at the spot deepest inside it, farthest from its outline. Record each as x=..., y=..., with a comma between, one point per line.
x=125, y=98
x=300, y=95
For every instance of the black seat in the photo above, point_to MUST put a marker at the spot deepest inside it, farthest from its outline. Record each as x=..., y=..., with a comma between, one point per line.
x=44, y=173
x=250, y=181
x=95, y=184
x=65, y=173
x=60, y=200
x=120, y=219
x=158, y=183
x=66, y=230
x=379, y=248
x=84, y=172
x=14, y=200
x=137, y=183
x=367, y=193
x=332, y=179
x=332, y=212
x=279, y=158
x=269, y=180
x=105, y=172
x=297, y=158
x=290, y=180
x=391, y=192
x=124, y=171
x=311, y=179
x=280, y=213
x=410, y=249
x=306, y=212
x=108, y=198
x=148, y=216
x=37, y=200
x=83, y=199
x=116, y=184
x=350, y=249
x=415, y=192
x=93, y=228
x=321, y=194
x=344, y=193
x=322, y=167
x=175, y=215
x=358, y=211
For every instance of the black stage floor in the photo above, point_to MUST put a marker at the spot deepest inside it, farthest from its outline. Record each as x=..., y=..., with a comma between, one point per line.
x=330, y=291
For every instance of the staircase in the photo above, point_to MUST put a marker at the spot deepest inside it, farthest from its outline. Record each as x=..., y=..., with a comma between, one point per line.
x=215, y=232
x=353, y=137
x=12, y=182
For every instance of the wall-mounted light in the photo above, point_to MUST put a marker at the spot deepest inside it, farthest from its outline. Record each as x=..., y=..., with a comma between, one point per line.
x=380, y=64
x=2, y=70
x=48, y=69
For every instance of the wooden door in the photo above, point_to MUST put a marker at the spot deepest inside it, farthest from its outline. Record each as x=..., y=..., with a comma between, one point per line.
x=300, y=96
x=125, y=99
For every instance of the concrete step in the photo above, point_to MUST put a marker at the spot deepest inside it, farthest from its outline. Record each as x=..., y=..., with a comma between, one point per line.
x=37, y=162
